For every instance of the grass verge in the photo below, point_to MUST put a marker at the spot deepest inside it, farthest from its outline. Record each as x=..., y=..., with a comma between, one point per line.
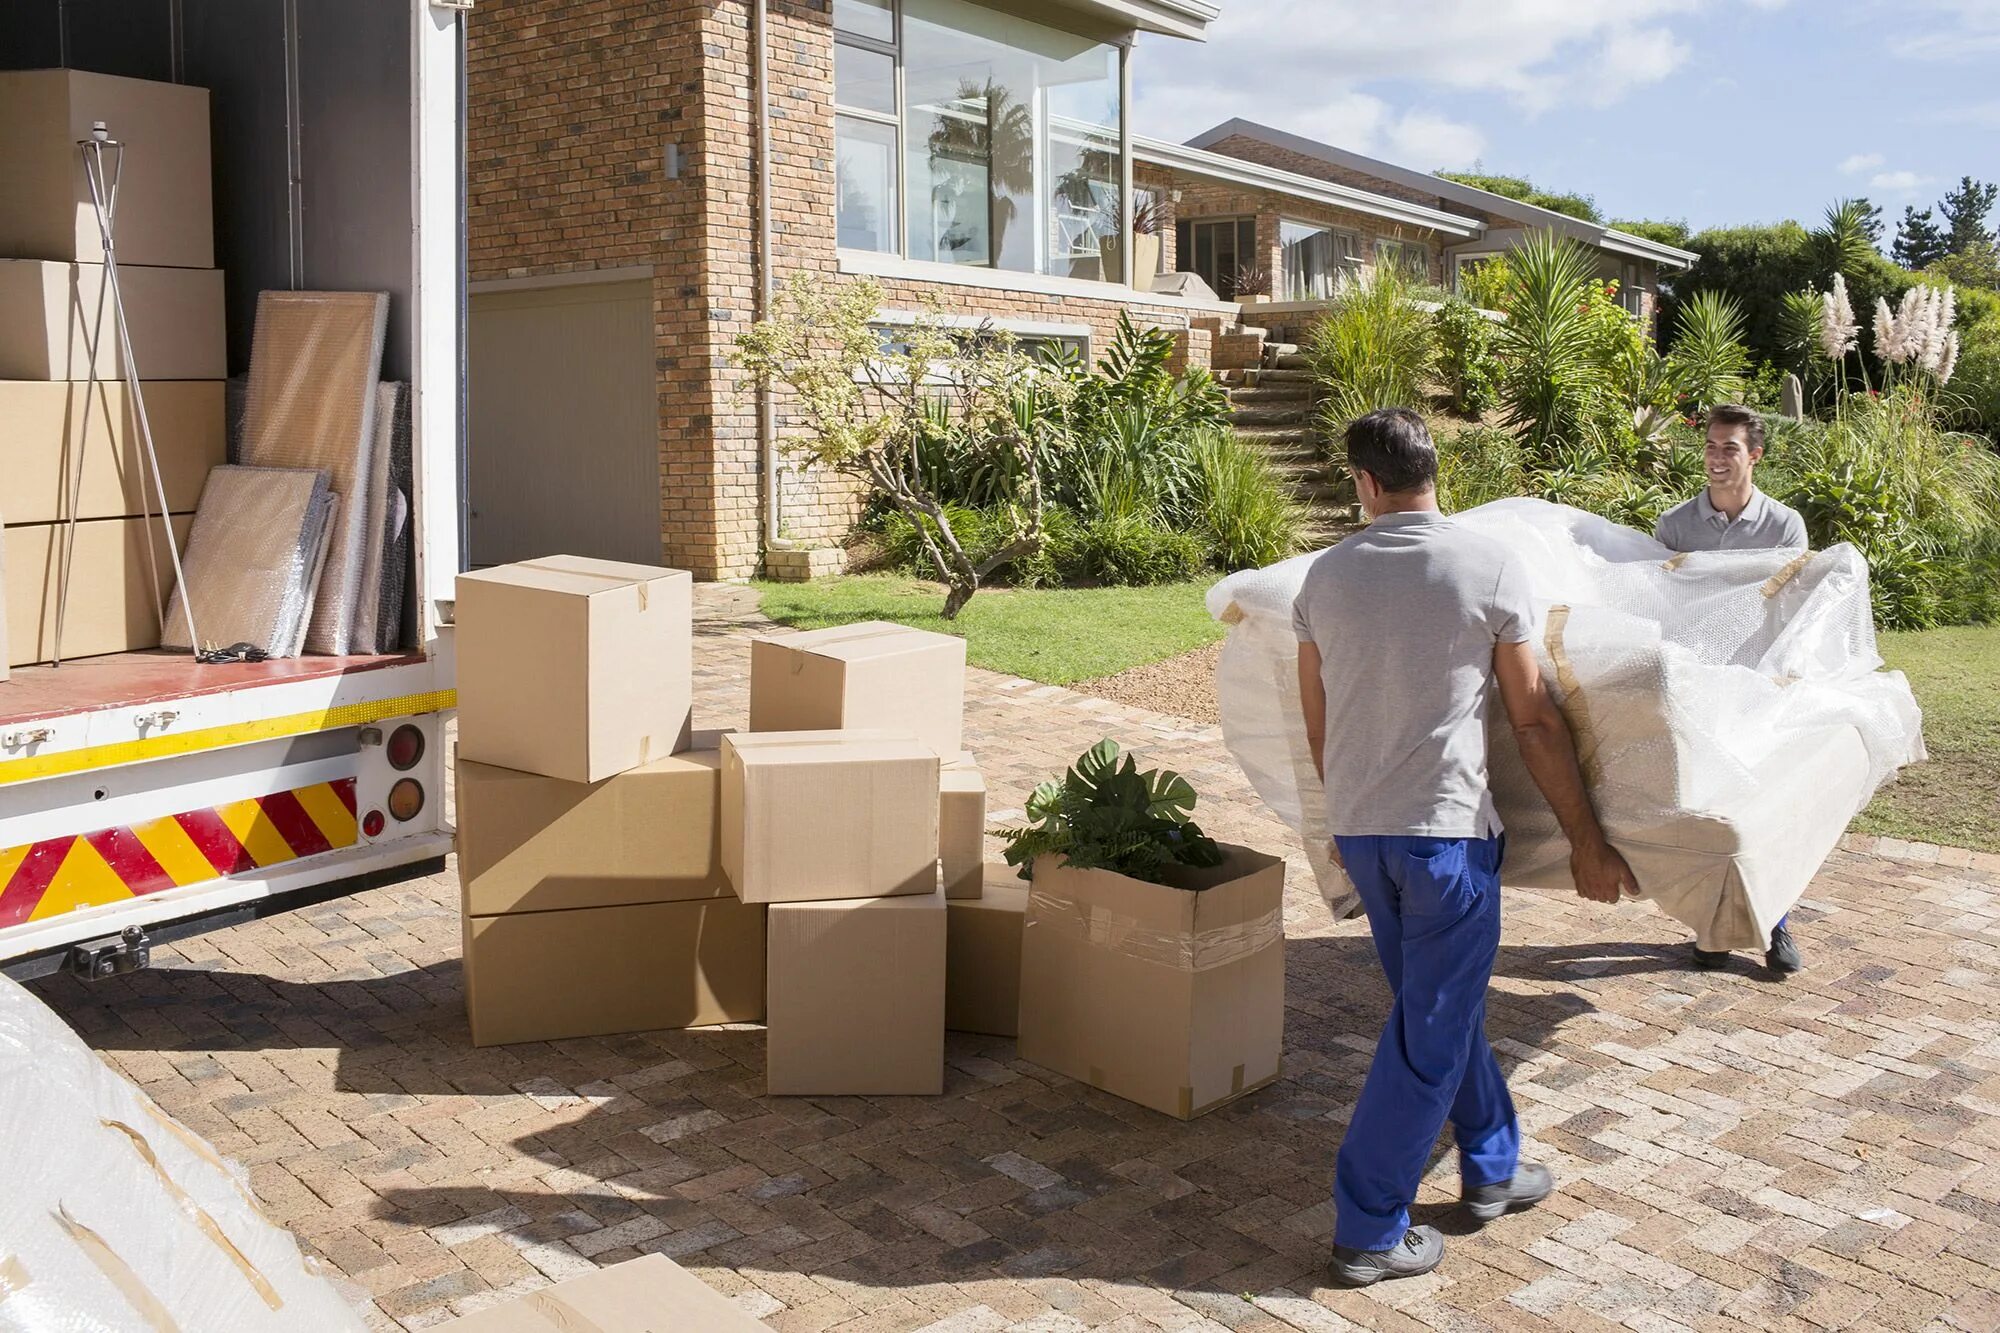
x=1055, y=635
x=1954, y=800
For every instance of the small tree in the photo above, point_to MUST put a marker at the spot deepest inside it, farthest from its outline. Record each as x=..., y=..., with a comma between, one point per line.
x=868, y=403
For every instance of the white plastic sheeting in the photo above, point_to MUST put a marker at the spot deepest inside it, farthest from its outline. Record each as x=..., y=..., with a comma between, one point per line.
x=114, y=1218
x=1730, y=711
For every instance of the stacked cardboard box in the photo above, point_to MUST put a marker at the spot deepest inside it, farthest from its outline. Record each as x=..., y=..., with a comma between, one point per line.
x=67, y=451
x=589, y=815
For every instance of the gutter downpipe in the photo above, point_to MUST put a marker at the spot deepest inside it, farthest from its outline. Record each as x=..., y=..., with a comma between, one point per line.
x=767, y=412
x=1128, y=256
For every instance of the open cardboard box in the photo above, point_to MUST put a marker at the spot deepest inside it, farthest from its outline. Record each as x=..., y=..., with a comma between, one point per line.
x=1168, y=995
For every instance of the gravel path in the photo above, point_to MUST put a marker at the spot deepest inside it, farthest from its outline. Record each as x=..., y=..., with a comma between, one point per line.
x=1182, y=687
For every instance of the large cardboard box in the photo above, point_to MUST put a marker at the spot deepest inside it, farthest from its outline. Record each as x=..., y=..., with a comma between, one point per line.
x=809, y=816
x=545, y=976
x=961, y=830
x=982, y=967
x=164, y=194
x=115, y=595
x=51, y=428
x=50, y=325
x=1169, y=996
x=857, y=998
x=652, y=1294
x=871, y=675
x=574, y=668
x=529, y=843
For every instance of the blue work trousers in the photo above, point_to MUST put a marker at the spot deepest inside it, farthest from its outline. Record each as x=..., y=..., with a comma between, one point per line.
x=1434, y=907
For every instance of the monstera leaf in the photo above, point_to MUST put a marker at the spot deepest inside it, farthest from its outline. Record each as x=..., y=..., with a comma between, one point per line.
x=1104, y=814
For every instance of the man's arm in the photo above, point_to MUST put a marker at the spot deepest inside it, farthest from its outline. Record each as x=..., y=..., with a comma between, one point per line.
x=1600, y=872
x=1312, y=702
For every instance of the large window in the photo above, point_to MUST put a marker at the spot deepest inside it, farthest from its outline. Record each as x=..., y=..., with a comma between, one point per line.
x=1316, y=260
x=1412, y=258
x=1215, y=250
x=969, y=136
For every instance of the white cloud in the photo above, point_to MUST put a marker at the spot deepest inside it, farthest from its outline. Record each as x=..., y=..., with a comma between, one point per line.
x=1898, y=182
x=1860, y=162
x=1948, y=31
x=1629, y=58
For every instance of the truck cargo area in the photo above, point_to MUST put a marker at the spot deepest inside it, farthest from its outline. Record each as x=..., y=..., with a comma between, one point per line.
x=130, y=680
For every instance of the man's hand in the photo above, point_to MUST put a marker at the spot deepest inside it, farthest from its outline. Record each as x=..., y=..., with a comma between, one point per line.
x=1600, y=873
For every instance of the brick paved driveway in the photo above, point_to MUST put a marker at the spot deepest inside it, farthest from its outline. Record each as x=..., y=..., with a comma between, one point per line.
x=1732, y=1153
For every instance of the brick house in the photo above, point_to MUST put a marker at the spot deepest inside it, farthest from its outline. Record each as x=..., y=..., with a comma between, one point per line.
x=637, y=170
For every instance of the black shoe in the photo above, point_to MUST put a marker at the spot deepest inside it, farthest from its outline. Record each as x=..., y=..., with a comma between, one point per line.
x=1529, y=1186
x=1783, y=956
x=1710, y=960
x=1421, y=1250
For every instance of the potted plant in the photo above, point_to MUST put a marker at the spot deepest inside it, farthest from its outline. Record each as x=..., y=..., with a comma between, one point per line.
x=1251, y=284
x=1152, y=956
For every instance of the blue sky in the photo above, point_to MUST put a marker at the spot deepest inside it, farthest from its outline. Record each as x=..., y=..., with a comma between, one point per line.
x=1716, y=111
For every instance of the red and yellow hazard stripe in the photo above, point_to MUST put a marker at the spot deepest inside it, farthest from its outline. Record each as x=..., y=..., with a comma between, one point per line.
x=57, y=875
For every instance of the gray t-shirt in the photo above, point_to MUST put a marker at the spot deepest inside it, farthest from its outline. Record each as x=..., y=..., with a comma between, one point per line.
x=1405, y=615
x=1764, y=524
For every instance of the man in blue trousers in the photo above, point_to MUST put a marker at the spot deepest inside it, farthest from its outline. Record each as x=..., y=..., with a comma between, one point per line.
x=1403, y=629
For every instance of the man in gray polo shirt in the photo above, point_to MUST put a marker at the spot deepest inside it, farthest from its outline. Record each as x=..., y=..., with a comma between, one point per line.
x=1733, y=515
x=1404, y=630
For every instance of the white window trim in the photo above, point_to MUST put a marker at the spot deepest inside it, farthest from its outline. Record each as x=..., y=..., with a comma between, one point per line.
x=870, y=263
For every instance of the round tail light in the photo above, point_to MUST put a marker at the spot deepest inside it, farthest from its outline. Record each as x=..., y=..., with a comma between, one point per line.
x=373, y=823
x=406, y=747
x=406, y=799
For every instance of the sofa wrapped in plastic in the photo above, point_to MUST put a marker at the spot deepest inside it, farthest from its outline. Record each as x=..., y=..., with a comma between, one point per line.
x=1730, y=710
x=115, y=1217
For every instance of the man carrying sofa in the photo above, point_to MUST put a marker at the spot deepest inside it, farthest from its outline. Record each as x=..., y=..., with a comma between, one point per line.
x=1403, y=630
x=1733, y=515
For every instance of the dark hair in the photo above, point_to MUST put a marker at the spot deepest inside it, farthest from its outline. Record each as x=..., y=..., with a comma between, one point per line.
x=1730, y=414
x=1393, y=446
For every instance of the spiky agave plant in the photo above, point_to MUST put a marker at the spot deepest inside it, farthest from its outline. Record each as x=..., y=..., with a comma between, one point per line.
x=1708, y=359
x=1552, y=381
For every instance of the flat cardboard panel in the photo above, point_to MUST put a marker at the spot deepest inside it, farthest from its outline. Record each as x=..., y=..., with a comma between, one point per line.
x=115, y=599
x=983, y=956
x=815, y=816
x=164, y=211
x=529, y=843
x=1164, y=996
x=652, y=1294
x=873, y=675
x=574, y=668
x=857, y=998
x=961, y=830
x=50, y=428
x=545, y=976
x=50, y=326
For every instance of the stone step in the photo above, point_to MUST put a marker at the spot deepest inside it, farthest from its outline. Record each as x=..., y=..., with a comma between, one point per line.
x=1269, y=416
x=1284, y=391
x=1273, y=351
x=1292, y=360
x=1275, y=435
x=1276, y=375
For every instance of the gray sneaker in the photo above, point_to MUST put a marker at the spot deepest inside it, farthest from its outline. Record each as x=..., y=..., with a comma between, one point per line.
x=1421, y=1250
x=1529, y=1186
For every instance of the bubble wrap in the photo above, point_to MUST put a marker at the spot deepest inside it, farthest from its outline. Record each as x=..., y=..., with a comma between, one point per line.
x=311, y=402
x=251, y=559
x=115, y=1218
x=1730, y=711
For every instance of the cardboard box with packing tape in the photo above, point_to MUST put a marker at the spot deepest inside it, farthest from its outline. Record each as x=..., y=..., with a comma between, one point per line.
x=961, y=830
x=874, y=675
x=1168, y=995
x=116, y=588
x=56, y=321
x=574, y=668
x=51, y=429
x=983, y=955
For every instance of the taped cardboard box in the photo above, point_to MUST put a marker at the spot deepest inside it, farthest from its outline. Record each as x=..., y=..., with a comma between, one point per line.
x=811, y=816
x=165, y=213
x=1171, y=996
x=574, y=668
x=652, y=1294
x=115, y=593
x=857, y=998
x=546, y=976
x=871, y=675
x=51, y=327
x=982, y=966
x=529, y=843
x=51, y=428
x=961, y=830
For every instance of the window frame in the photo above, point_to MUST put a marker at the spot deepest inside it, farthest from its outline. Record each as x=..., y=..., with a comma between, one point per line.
x=1184, y=256
x=893, y=49
x=1342, y=265
x=1399, y=251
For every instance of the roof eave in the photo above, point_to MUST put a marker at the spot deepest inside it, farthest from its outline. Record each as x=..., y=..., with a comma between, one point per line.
x=1172, y=18
x=1239, y=171
x=1624, y=242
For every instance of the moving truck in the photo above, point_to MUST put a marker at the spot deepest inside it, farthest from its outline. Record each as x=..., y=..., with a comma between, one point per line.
x=144, y=795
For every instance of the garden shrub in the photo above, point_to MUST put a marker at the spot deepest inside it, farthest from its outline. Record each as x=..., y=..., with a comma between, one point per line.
x=1136, y=550
x=1240, y=506
x=1466, y=365
x=1373, y=348
x=1478, y=465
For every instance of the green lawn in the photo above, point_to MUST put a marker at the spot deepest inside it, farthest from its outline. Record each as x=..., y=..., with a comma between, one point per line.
x=1057, y=635
x=1954, y=800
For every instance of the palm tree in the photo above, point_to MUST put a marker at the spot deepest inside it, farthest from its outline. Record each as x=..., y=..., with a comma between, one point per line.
x=1001, y=139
